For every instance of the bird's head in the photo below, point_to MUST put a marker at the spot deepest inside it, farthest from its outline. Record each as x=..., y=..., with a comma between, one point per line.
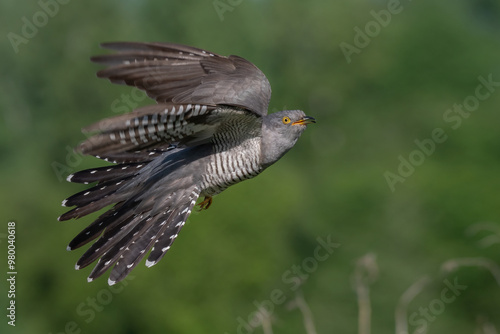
x=280, y=132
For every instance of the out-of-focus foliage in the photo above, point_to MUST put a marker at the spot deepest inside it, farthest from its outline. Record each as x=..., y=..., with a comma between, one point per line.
x=259, y=236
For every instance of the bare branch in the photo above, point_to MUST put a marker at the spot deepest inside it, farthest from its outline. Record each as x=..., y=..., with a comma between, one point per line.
x=266, y=321
x=300, y=303
x=454, y=264
x=365, y=274
x=401, y=313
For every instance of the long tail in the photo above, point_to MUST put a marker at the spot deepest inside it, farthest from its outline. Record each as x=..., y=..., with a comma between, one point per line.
x=147, y=214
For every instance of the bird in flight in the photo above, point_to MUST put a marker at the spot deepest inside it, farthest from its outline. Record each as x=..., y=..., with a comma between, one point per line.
x=208, y=130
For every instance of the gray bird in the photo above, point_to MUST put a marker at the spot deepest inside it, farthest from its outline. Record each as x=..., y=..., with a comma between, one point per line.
x=209, y=130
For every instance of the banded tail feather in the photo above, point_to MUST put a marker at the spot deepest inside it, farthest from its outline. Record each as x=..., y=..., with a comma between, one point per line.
x=135, y=156
x=109, y=180
x=158, y=237
x=141, y=217
x=95, y=229
x=102, y=174
x=127, y=240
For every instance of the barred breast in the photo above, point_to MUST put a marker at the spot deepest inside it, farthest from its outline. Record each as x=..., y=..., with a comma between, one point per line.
x=237, y=156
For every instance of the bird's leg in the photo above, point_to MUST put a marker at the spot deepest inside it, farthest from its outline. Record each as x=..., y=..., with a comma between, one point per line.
x=205, y=204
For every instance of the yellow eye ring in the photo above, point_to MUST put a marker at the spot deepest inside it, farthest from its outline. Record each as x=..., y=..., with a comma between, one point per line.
x=286, y=120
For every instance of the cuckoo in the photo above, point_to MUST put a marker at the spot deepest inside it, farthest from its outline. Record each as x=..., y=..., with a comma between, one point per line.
x=208, y=130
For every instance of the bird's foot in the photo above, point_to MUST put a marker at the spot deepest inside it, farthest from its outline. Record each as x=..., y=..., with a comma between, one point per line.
x=205, y=204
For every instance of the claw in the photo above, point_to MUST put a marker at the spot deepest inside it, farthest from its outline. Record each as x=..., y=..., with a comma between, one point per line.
x=205, y=204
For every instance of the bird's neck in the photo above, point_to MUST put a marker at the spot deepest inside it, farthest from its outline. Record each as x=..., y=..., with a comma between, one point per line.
x=273, y=145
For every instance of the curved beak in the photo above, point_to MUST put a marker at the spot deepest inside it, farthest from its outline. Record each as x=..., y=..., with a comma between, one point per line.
x=304, y=121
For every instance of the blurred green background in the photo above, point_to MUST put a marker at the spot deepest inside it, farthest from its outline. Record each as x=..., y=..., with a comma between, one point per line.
x=400, y=77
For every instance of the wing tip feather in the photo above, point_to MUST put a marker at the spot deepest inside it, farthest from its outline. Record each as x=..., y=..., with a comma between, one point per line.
x=149, y=264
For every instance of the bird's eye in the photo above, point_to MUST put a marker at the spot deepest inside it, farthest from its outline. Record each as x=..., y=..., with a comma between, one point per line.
x=286, y=120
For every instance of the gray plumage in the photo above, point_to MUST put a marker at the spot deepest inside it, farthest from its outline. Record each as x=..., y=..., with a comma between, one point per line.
x=208, y=131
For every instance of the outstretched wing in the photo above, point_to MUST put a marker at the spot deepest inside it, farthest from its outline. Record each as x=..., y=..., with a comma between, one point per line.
x=183, y=74
x=153, y=129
